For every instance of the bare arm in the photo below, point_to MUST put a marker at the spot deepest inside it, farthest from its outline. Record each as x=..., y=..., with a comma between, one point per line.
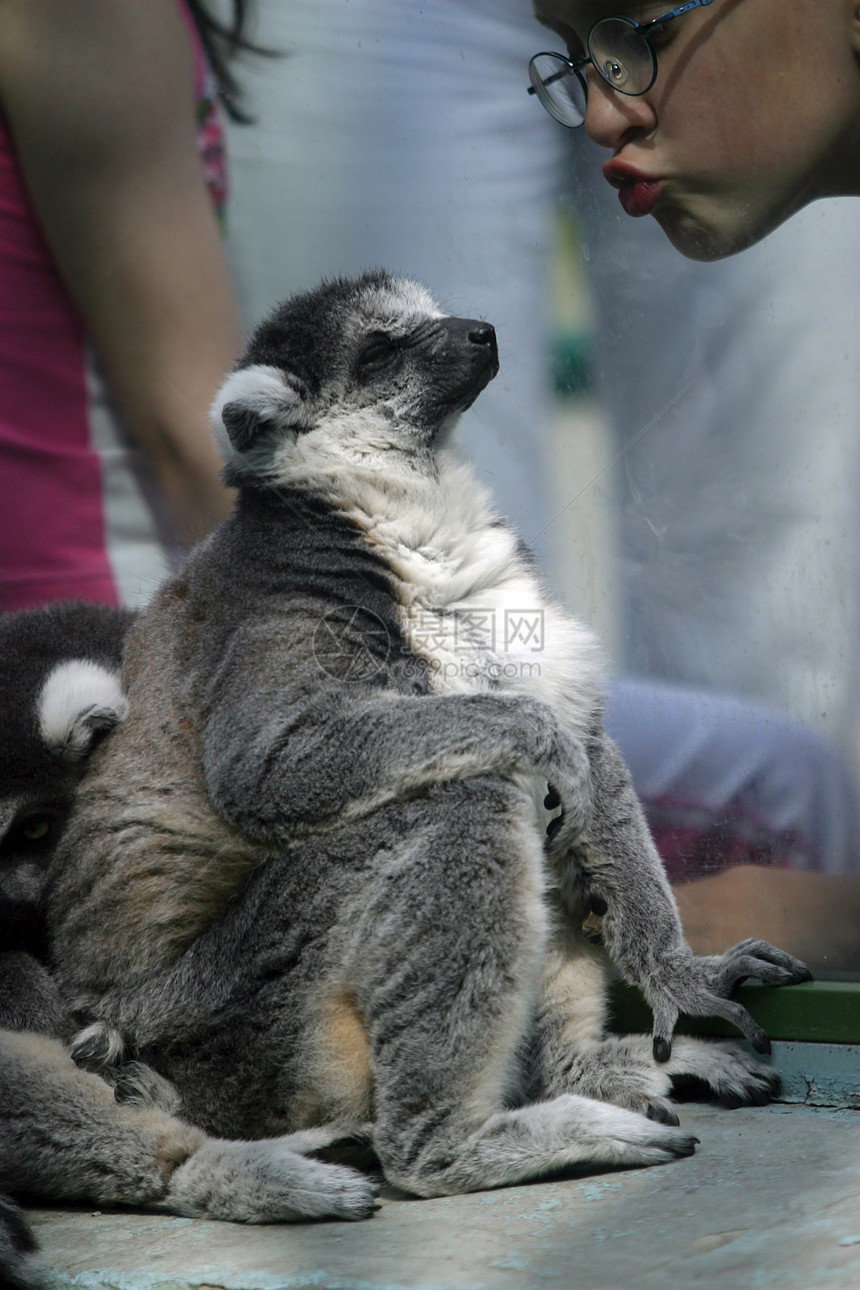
x=99, y=97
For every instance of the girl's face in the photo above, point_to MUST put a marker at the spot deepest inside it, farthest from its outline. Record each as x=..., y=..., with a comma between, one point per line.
x=755, y=112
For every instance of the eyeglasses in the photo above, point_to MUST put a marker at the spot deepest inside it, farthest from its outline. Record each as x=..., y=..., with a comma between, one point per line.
x=619, y=50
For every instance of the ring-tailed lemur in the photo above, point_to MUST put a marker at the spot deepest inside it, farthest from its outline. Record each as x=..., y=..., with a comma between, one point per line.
x=65, y=1132
x=59, y=695
x=312, y=879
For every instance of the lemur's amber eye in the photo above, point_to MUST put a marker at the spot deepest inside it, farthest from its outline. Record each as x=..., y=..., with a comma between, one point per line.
x=33, y=832
x=36, y=829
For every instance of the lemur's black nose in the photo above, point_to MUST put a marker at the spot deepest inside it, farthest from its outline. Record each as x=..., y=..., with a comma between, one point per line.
x=482, y=334
x=474, y=331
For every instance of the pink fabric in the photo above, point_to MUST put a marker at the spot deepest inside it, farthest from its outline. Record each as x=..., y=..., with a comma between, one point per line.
x=210, y=132
x=53, y=539
x=51, y=524
x=696, y=841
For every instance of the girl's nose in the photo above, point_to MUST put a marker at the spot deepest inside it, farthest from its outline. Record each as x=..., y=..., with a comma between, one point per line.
x=611, y=117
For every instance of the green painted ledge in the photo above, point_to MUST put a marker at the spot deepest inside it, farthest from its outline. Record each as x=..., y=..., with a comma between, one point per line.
x=826, y=1012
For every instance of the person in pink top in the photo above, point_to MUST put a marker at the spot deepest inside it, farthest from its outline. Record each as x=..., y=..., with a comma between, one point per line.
x=117, y=310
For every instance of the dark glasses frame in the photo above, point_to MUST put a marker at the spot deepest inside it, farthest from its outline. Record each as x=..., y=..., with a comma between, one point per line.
x=569, y=67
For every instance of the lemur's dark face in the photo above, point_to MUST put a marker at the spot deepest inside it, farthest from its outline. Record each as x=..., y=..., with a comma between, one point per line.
x=30, y=827
x=428, y=372
x=59, y=695
x=356, y=369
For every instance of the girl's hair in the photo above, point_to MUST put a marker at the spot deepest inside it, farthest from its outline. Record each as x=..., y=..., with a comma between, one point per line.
x=222, y=40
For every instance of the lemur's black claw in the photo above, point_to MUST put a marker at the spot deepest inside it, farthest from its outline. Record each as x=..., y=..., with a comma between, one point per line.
x=554, y=825
x=761, y=1043
x=662, y=1050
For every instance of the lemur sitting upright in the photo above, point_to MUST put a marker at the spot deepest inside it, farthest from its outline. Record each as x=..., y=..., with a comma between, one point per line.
x=313, y=878
x=64, y=1132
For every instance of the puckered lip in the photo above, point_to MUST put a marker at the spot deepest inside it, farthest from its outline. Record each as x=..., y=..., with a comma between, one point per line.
x=637, y=192
x=619, y=173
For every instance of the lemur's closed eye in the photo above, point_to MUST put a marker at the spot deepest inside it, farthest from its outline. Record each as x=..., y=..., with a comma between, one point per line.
x=377, y=352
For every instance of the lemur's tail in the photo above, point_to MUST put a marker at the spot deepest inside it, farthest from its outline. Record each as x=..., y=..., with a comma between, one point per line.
x=21, y=1266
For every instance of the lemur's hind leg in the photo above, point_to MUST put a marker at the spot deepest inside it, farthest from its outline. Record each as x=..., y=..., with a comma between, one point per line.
x=570, y=1051
x=621, y=1069
x=719, y=1068
x=452, y=943
x=63, y=1135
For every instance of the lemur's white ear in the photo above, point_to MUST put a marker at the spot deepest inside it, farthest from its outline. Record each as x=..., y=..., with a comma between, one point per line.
x=257, y=396
x=79, y=703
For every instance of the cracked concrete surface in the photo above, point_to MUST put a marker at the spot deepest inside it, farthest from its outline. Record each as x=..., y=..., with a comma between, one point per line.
x=771, y=1198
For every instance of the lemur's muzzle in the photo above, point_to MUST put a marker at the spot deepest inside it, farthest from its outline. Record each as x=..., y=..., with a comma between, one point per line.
x=476, y=340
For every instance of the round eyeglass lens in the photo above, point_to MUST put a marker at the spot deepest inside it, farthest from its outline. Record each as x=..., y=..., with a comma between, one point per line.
x=560, y=89
x=622, y=55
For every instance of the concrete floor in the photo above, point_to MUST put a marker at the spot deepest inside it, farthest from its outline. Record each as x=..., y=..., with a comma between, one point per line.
x=771, y=1198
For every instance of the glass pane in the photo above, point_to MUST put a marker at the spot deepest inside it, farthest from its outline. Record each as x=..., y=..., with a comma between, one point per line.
x=691, y=487
x=724, y=401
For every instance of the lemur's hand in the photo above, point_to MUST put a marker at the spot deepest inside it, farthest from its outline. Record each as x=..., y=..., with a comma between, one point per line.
x=700, y=987
x=568, y=787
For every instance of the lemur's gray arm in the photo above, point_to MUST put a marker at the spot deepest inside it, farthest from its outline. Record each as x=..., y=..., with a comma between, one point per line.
x=626, y=884
x=336, y=758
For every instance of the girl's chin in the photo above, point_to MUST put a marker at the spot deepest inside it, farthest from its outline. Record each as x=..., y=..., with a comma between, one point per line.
x=704, y=236
x=708, y=227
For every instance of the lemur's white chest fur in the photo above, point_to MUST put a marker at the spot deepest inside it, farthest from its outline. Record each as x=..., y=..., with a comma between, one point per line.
x=471, y=604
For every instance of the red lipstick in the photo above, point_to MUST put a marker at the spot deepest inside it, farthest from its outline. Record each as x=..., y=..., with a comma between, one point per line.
x=637, y=193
